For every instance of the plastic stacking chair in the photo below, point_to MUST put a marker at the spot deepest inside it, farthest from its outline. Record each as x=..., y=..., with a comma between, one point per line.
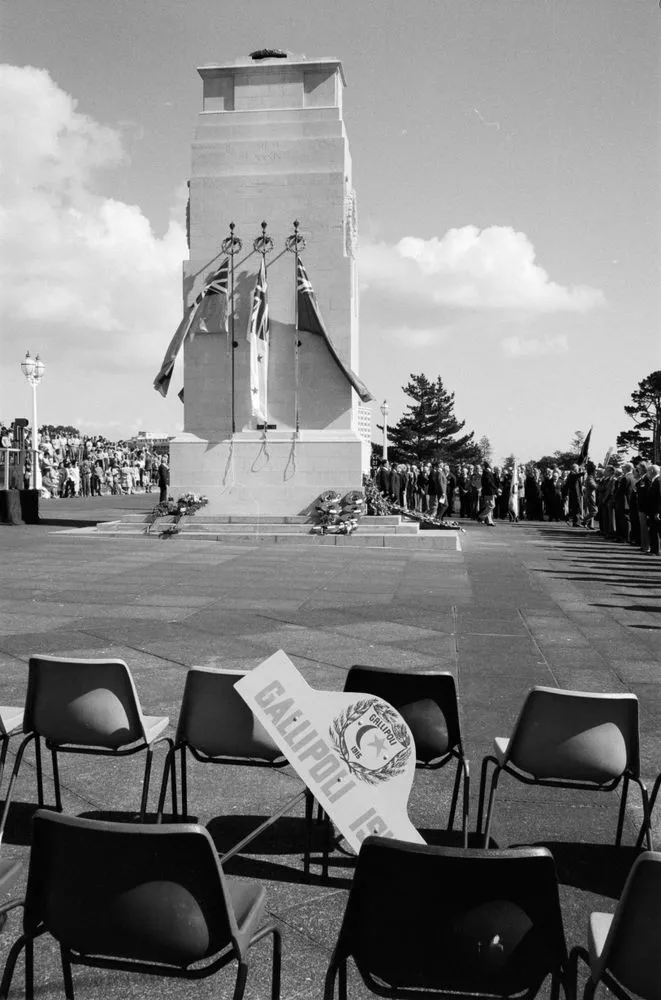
x=137, y=898
x=11, y=724
x=87, y=707
x=569, y=739
x=428, y=703
x=217, y=727
x=430, y=921
x=623, y=948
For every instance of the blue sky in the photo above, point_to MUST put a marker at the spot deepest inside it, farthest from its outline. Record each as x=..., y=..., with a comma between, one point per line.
x=506, y=160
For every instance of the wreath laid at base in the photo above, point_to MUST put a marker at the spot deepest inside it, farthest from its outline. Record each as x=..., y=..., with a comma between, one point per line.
x=184, y=506
x=338, y=515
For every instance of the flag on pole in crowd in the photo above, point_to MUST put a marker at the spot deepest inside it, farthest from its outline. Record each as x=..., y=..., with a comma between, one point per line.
x=309, y=320
x=207, y=313
x=258, y=338
x=585, y=448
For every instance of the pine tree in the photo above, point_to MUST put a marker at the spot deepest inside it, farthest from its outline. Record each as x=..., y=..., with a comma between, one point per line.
x=427, y=430
x=645, y=412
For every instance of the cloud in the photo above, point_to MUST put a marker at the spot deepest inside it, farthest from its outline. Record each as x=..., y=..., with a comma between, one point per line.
x=469, y=268
x=88, y=270
x=518, y=347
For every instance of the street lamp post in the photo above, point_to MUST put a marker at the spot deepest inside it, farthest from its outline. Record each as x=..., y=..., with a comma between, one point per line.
x=33, y=369
x=384, y=413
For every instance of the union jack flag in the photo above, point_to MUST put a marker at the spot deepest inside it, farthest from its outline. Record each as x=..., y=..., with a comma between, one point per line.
x=258, y=338
x=207, y=313
x=309, y=320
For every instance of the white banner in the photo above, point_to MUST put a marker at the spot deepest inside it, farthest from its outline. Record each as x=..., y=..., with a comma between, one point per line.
x=353, y=751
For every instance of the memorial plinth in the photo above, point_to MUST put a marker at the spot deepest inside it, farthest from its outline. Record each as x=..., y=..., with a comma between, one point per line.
x=270, y=144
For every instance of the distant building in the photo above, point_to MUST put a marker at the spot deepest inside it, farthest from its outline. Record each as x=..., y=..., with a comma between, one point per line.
x=145, y=439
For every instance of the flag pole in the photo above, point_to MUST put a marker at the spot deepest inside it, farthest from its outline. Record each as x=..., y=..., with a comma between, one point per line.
x=231, y=246
x=263, y=245
x=294, y=243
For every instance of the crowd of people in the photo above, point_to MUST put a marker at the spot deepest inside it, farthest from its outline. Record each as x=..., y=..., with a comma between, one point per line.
x=621, y=500
x=73, y=465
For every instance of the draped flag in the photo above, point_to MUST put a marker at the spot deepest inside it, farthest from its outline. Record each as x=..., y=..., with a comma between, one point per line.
x=585, y=448
x=207, y=314
x=258, y=338
x=309, y=320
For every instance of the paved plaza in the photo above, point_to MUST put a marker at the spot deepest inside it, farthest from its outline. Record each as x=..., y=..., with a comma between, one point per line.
x=519, y=605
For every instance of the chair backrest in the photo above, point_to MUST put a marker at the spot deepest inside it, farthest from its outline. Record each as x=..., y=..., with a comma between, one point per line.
x=427, y=701
x=128, y=891
x=457, y=920
x=576, y=735
x=84, y=702
x=631, y=951
x=215, y=720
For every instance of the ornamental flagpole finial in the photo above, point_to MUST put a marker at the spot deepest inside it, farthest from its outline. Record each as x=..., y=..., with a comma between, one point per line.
x=263, y=244
x=295, y=243
x=232, y=245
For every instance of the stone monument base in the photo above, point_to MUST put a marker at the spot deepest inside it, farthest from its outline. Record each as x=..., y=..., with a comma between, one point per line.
x=277, y=475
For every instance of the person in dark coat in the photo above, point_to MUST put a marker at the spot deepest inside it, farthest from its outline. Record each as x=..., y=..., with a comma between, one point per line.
x=654, y=508
x=163, y=480
x=489, y=494
x=533, y=495
x=548, y=494
x=573, y=491
x=382, y=478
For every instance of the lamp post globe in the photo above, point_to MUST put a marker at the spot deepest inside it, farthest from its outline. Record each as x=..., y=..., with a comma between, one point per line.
x=34, y=369
x=384, y=413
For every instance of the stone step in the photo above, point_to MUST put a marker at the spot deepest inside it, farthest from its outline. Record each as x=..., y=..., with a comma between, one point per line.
x=427, y=540
x=192, y=527
x=390, y=519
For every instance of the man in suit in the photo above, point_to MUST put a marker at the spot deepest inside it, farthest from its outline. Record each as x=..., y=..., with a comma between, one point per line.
x=163, y=479
x=654, y=508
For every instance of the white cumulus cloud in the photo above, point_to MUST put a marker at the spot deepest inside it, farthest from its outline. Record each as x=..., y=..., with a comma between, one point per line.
x=87, y=269
x=469, y=268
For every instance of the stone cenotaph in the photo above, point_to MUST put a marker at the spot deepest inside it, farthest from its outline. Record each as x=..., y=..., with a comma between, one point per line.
x=270, y=145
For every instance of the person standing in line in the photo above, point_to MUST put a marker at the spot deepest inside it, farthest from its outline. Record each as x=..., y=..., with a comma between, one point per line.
x=441, y=491
x=489, y=492
x=476, y=491
x=548, y=494
x=590, y=509
x=163, y=479
x=573, y=490
x=421, y=488
x=654, y=508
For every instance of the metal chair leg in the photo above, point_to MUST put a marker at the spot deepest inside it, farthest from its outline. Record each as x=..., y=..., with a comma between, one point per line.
x=309, y=812
x=482, y=790
x=145, y=785
x=622, y=811
x=10, y=965
x=184, y=786
x=3, y=756
x=466, y=801
x=241, y=979
x=492, y=796
x=56, y=780
x=40, y=770
x=277, y=965
x=455, y=795
x=12, y=781
x=66, y=975
x=164, y=786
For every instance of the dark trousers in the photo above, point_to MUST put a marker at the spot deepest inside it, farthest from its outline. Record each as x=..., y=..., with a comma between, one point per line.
x=163, y=495
x=654, y=527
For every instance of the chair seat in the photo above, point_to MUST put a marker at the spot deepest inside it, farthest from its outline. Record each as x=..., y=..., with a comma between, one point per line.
x=248, y=900
x=500, y=747
x=154, y=726
x=598, y=928
x=11, y=720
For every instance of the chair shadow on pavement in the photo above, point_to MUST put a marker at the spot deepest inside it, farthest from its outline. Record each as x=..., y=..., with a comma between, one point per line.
x=597, y=868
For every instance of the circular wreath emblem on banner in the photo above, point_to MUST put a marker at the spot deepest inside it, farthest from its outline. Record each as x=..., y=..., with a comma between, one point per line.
x=372, y=739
